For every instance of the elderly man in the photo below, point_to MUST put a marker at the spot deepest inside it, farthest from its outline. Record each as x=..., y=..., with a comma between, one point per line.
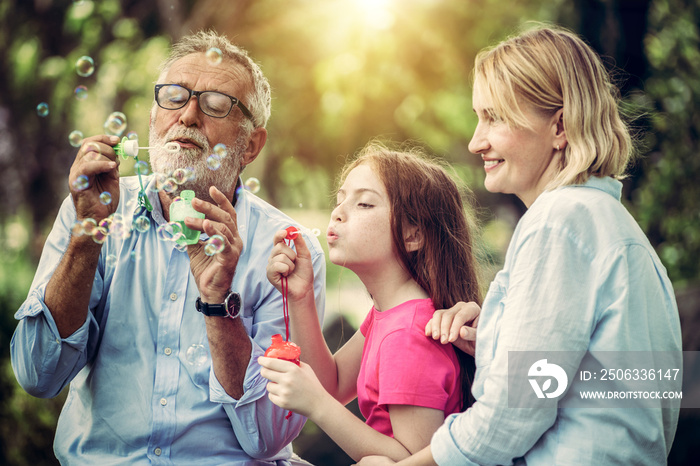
x=152, y=380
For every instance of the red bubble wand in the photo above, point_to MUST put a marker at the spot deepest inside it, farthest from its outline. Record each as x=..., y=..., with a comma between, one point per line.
x=285, y=349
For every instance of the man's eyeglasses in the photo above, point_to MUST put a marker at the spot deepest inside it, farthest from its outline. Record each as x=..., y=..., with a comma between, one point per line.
x=212, y=103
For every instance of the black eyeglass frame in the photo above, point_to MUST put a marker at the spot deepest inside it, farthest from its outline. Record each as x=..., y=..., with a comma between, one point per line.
x=234, y=101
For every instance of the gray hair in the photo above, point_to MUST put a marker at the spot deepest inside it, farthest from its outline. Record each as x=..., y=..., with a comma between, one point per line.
x=258, y=100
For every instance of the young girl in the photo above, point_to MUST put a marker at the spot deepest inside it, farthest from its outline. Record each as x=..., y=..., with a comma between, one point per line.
x=400, y=225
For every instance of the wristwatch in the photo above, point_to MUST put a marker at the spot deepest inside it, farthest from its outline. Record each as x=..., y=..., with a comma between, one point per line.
x=231, y=307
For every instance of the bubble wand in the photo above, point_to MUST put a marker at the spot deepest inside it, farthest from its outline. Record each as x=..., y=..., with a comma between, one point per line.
x=130, y=148
x=285, y=349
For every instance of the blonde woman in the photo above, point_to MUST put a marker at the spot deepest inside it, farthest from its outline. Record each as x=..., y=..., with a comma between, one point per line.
x=579, y=274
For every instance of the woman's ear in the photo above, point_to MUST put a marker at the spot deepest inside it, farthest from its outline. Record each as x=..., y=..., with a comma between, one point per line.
x=412, y=238
x=560, y=140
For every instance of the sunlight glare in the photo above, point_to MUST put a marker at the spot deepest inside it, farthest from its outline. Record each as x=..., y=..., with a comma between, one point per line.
x=376, y=13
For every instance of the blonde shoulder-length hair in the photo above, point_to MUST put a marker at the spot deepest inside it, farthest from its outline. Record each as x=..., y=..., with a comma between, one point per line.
x=549, y=68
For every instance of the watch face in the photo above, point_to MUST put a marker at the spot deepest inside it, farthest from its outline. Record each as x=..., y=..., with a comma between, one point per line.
x=233, y=301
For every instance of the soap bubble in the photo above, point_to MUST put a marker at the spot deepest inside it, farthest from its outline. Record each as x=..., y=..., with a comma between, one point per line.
x=180, y=175
x=214, y=56
x=42, y=109
x=115, y=124
x=316, y=232
x=213, y=162
x=99, y=235
x=169, y=185
x=196, y=355
x=221, y=150
x=171, y=231
x=159, y=181
x=214, y=245
x=182, y=247
x=117, y=227
x=132, y=136
x=111, y=260
x=85, y=66
x=142, y=224
x=75, y=138
x=81, y=183
x=252, y=184
x=81, y=92
x=106, y=223
x=133, y=256
x=141, y=168
x=77, y=229
x=106, y=198
x=89, y=225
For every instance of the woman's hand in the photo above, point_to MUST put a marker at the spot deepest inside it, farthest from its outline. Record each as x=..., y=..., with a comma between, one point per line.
x=293, y=387
x=295, y=266
x=456, y=325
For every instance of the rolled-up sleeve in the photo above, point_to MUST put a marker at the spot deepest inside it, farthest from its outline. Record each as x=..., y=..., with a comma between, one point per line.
x=43, y=362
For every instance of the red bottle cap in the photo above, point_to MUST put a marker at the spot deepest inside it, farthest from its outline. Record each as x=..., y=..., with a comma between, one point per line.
x=292, y=232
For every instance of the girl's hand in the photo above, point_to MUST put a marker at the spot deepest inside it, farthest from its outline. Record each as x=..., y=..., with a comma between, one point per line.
x=456, y=325
x=293, y=387
x=295, y=266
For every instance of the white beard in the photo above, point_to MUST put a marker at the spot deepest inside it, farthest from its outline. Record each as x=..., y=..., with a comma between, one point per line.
x=165, y=162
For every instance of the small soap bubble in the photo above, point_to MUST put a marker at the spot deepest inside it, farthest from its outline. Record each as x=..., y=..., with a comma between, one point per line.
x=111, y=260
x=118, y=229
x=81, y=183
x=85, y=66
x=214, y=56
x=81, y=92
x=214, y=245
x=213, y=162
x=180, y=175
x=196, y=355
x=132, y=136
x=170, y=231
x=42, y=109
x=77, y=229
x=115, y=124
x=75, y=138
x=89, y=225
x=316, y=232
x=182, y=247
x=141, y=168
x=160, y=179
x=221, y=150
x=106, y=198
x=252, y=184
x=169, y=185
x=99, y=235
x=106, y=223
x=133, y=256
x=142, y=224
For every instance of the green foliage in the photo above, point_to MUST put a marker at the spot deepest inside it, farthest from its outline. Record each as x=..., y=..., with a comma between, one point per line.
x=667, y=200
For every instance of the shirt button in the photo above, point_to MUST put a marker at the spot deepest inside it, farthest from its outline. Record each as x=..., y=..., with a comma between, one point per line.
x=173, y=296
x=157, y=451
x=163, y=401
x=168, y=351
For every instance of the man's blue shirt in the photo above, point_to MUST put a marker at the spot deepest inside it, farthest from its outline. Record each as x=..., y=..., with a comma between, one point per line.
x=142, y=388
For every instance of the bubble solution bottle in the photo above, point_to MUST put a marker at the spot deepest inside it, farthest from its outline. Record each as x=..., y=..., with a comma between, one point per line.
x=181, y=209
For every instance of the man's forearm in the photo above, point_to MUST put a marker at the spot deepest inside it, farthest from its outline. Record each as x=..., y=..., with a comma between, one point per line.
x=230, y=352
x=68, y=291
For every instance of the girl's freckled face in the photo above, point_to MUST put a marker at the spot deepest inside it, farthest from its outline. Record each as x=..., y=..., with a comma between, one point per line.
x=360, y=231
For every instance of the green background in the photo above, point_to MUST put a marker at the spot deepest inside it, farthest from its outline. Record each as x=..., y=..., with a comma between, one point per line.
x=342, y=72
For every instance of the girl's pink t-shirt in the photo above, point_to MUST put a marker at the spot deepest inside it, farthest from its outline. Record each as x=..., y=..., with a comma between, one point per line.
x=401, y=366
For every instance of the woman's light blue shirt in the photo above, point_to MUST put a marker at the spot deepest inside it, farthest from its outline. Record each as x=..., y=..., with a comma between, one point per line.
x=579, y=275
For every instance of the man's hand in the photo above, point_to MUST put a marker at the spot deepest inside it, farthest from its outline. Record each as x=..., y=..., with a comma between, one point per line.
x=94, y=171
x=456, y=325
x=214, y=274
